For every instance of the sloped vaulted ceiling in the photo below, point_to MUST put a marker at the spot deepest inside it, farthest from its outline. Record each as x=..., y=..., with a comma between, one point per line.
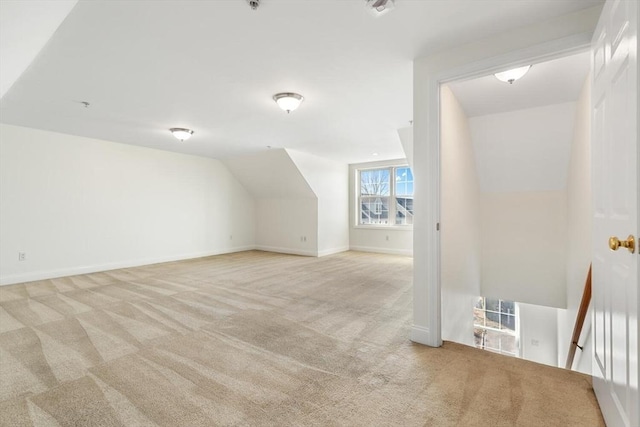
x=25, y=28
x=213, y=66
x=270, y=174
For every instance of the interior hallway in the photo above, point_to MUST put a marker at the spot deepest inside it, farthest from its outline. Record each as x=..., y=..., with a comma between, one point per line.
x=256, y=338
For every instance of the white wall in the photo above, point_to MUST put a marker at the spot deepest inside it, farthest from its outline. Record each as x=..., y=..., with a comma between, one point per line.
x=579, y=226
x=388, y=240
x=329, y=181
x=301, y=201
x=460, y=223
x=287, y=225
x=538, y=333
x=524, y=247
x=524, y=150
x=286, y=207
x=77, y=205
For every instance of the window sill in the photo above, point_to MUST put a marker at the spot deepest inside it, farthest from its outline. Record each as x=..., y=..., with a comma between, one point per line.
x=384, y=227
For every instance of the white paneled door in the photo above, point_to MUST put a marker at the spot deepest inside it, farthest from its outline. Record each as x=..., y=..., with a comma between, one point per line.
x=615, y=194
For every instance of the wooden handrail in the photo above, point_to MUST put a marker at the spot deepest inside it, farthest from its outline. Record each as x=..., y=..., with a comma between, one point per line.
x=582, y=313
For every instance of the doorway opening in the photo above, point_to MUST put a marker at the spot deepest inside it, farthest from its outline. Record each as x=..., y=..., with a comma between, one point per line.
x=515, y=166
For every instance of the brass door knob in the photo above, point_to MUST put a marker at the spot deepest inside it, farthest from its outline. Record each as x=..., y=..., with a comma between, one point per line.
x=615, y=243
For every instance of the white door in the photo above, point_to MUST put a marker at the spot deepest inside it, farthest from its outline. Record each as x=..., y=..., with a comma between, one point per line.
x=615, y=196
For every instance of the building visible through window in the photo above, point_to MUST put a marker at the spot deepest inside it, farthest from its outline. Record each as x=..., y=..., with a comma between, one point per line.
x=494, y=325
x=385, y=196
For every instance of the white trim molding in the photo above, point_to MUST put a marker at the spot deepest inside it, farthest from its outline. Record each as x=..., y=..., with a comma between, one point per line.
x=332, y=251
x=419, y=334
x=380, y=250
x=290, y=251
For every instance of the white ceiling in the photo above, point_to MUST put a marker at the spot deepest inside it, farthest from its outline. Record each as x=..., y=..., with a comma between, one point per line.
x=547, y=83
x=25, y=27
x=522, y=133
x=213, y=66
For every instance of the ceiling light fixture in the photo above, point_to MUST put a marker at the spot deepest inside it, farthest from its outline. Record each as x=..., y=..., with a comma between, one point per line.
x=181, y=133
x=511, y=76
x=254, y=4
x=380, y=7
x=288, y=101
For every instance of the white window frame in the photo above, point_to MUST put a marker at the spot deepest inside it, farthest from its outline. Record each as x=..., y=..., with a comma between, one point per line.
x=515, y=333
x=392, y=196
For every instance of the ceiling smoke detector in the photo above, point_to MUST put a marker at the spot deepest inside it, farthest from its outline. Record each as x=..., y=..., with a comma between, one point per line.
x=380, y=7
x=254, y=4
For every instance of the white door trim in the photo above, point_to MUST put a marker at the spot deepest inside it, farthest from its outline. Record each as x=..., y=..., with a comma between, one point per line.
x=564, y=36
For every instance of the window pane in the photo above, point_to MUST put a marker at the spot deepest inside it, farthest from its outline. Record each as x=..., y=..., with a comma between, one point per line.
x=478, y=337
x=404, y=210
x=508, y=322
x=493, y=304
x=374, y=182
x=478, y=317
x=493, y=320
x=494, y=324
x=507, y=307
x=401, y=188
x=404, y=182
x=508, y=344
x=492, y=340
x=374, y=210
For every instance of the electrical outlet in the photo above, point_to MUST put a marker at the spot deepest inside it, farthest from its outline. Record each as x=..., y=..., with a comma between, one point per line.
x=387, y=237
x=305, y=238
x=22, y=256
x=230, y=236
x=535, y=343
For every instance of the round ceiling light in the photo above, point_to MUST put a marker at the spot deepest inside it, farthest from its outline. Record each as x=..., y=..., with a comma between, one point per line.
x=511, y=76
x=181, y=133
x=288, y=101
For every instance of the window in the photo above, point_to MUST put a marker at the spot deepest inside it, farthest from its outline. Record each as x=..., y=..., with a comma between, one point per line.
x=385, y=196
x=494, y=325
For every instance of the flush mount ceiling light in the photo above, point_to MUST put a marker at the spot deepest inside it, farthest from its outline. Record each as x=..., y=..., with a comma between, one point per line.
x=511, y=76
x=181, y=133
x=288, y=101
x=380, y=7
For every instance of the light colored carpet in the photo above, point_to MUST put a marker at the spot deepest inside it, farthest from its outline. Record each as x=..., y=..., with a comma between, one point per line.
x=257, y=339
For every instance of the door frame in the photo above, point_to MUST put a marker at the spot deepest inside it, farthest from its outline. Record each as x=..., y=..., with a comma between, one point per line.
x=564, y=36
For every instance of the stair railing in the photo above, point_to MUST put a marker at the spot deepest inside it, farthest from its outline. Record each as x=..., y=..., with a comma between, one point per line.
x=582, y=314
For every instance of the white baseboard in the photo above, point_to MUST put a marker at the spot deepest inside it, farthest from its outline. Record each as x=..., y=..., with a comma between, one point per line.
x=72, y=271
x=420, y=335
x=405, y=252
x=333, y=251
x=291, y=251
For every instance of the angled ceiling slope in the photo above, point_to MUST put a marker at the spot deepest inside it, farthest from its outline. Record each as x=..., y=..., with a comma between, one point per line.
x=270, y=174
x=25, y=28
